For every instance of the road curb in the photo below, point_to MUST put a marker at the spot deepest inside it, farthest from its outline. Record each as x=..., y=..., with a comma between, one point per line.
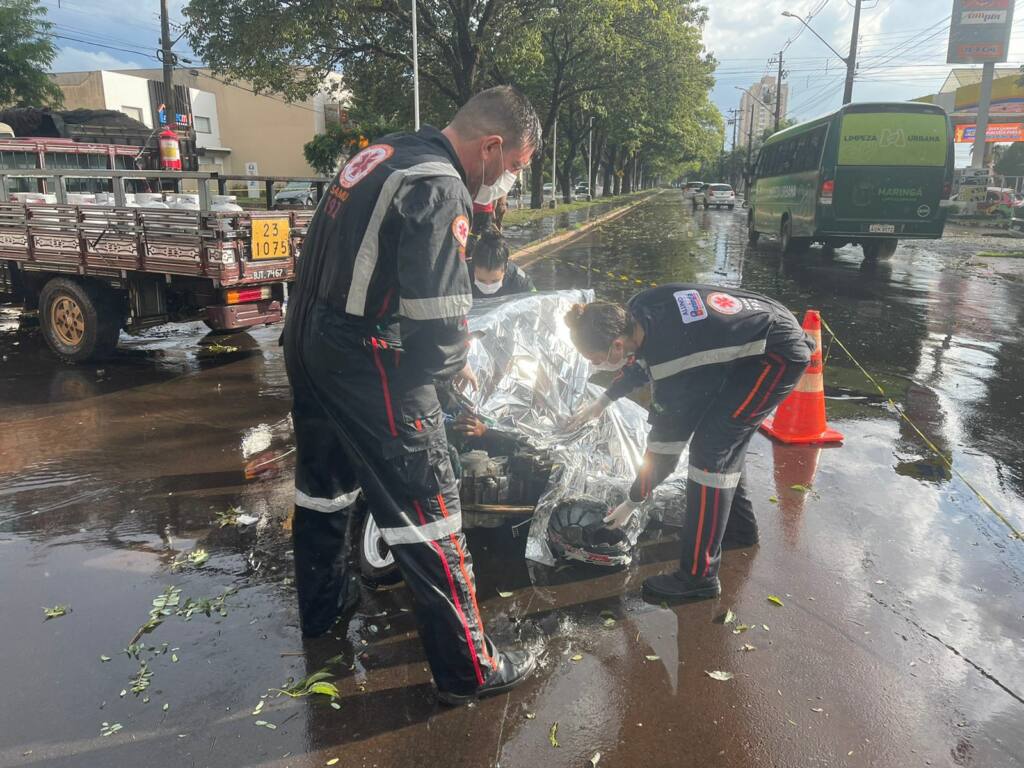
x=537, y=250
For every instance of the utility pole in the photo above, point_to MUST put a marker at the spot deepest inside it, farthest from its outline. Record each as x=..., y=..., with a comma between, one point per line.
x=170, y=108
x=554, y=164
x=778, y=96
x=590, y=161
x=750, y=149
x=851, y=59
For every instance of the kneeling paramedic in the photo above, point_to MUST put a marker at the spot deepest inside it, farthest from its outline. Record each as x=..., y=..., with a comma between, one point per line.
x=719, y=361
x=378, y=311
x=494, y=275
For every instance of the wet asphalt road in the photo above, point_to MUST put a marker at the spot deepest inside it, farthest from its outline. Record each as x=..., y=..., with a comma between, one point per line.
x=899, y=644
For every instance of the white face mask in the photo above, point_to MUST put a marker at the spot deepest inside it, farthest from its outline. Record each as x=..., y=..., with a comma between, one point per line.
x=488, y=288
x=488, y=193
x=608, y=365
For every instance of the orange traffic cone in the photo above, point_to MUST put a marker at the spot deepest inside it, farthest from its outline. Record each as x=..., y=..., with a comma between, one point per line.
x=800, y=418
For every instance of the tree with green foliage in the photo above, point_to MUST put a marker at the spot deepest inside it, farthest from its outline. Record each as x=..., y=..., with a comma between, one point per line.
x=26, y=53
x=1011, y=161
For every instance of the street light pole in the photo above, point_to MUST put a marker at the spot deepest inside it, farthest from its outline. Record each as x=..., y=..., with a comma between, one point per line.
x=778, y=95
x=849, y=60
x=590, y=161
x=415, y=71
x=170, y=109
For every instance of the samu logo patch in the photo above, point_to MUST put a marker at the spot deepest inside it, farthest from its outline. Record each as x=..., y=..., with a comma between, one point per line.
x=691, y=306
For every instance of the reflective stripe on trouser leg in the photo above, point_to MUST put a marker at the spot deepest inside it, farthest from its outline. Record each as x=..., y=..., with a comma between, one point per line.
x=393, y=472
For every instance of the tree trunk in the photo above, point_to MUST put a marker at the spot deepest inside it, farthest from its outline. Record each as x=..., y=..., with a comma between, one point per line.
x=609, y=170
x=537, y=181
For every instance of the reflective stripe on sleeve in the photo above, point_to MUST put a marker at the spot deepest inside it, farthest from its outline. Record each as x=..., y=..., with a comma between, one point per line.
x=707, y=357
x=666, y=449
x=714, y=479
x=318, y=504
x=366, y=258
x=422, y=534
x=439, y=308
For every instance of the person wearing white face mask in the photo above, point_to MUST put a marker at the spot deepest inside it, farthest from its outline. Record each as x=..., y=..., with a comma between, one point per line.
x=493, y=274
x=377, y=315
x=719, y=361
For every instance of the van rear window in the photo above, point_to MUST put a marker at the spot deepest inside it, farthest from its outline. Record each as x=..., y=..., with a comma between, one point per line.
x=893, y=138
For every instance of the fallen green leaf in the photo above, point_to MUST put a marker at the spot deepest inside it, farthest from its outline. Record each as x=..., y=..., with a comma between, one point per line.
x=718, y=675
x=56, y=612
x=595, y=760
x=553, y=735
x=773, y=499
x=335, y=705
x=174, y=658
x=748, y=647
x=577, y=657
x=531, y=715
x=801, y=488
x=609, y=622
x=740, y=628
x=166, y=707
x=730, y=617
x=259, y=708
x=775, y=600
x=333, y=761
x=652, y=657
x=505, y=594
x=104, y=658
x=110, y=730
x=325, y=689
x=765, y=627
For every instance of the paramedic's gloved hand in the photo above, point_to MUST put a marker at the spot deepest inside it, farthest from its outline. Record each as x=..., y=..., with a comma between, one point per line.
x=466, y=378
x=621, y=515
x=589, y=412
x=469, y=425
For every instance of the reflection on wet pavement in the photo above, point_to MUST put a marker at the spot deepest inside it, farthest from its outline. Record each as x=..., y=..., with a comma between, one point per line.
x=899, y=641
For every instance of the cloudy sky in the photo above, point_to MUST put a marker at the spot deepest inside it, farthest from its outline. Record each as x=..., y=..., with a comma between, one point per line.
x=902, y=45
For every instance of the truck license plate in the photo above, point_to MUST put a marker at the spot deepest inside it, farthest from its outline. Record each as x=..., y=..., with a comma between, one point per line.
x=270, y=239
x=887, y=229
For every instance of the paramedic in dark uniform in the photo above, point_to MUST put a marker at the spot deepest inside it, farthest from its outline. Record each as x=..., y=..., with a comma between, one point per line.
x=494, y=275
x=719, y=361
x=378, y=312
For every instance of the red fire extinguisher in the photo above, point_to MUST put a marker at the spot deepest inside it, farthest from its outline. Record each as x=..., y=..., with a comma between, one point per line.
x=170, y=151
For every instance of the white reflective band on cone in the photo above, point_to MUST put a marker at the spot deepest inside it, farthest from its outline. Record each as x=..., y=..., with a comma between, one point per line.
x=708, y=357
x=326, y=505
x=440, y=308
x=667, y=449
x=811, y=382
x=421, y=534
x=714, y=479
x=366, y=258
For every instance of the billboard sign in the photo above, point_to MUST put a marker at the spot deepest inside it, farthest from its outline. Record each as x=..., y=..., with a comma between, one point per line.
x=996, y=132
x=979, y=31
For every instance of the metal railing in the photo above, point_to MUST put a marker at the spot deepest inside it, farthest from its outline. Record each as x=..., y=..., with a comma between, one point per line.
x=58, y=179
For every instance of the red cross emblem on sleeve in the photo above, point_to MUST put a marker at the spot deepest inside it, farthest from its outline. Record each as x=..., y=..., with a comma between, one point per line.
x=724, y=304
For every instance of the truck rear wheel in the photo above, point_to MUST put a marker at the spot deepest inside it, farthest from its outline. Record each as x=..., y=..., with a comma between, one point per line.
x=879, y=249
x=752, y=234
x=80, y=322
x=376, y=560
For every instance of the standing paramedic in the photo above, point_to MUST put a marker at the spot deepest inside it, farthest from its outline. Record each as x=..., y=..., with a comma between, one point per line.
x=378, y=312
x=719, y=361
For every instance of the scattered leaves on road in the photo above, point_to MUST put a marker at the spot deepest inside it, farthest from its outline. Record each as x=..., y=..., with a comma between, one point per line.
x=104, y=659
x=259, y=707
x=265, y=724
x=817, y=709
x=505, y=594
x=773, y=499
x=740, y=629
x=801, y=488
x=577, y=657
x=719, y=675
x=333, y=761
x=553, y=735
x=317, y=683
x=531, y=715
x=595, y=760
x=652, y=657
x=729, y=617
x=609, y=622
x=775, y=600
x=749, y=647
x=110, y=729
x=765, y=627
x=56, y=612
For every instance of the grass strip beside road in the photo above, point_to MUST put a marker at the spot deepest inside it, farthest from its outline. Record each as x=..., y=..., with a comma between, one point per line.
x=998, y=255
x=515, y=216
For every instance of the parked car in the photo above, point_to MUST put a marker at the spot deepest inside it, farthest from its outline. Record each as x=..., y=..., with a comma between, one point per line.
x=582, y=190
x=717, y=195
x=692, y=188
x=296, y=195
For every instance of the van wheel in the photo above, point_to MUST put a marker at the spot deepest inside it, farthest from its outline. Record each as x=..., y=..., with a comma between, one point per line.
x=789, y=244
x=376, y=560
x=80, y=321
x=879, y=249
x=752, y=234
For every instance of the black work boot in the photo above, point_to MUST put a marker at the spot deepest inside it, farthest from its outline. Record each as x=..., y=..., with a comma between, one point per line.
x=680, y=587
x=513, y=668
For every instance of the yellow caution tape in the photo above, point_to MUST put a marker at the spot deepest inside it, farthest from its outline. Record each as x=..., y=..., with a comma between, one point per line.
x=945, y=460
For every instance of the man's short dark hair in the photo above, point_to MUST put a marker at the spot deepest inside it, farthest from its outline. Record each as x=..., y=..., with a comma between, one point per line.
x=503, y=111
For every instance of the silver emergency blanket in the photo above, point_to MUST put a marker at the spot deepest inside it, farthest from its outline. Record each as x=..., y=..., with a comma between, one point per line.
x=532, y=380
